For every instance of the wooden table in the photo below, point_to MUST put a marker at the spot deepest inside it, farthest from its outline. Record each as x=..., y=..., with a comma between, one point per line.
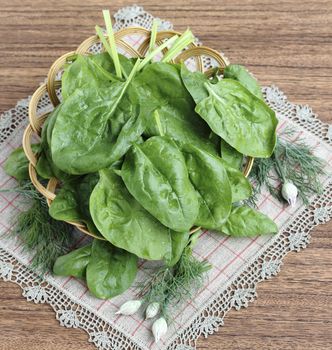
x=287, y=43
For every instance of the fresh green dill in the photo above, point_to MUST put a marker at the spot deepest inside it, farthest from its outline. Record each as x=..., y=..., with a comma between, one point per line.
x=171, y=286
x=26, y=189
x=293, y=162
x=43, y=236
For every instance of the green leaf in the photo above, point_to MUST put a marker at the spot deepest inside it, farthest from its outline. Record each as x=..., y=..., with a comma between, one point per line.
x=240, y=73
x=83, y=133
x=82, y=73
x=241, y=187
x=17, y=164
x=179, y=242
x=124, y=222
x=195, y=83
x=209, y=177
x=230, y=155
x=93, y=71
x=45, y=166
x=73, y=263
x=247, y=222
x=240, y=118
x=160, y=87
x=72, y=201
x=155, y=174
x=131, y=132
x=110, y=271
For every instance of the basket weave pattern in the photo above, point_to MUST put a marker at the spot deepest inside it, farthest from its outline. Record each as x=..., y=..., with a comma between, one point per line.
x=53, y=85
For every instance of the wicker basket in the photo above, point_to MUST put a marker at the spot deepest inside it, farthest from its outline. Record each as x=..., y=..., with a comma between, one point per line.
x=52, y=86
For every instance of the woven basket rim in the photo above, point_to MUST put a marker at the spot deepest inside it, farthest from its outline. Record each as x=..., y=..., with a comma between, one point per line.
x=52, y=85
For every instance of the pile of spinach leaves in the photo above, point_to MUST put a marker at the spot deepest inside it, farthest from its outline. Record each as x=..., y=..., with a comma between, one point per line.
x=145, y=155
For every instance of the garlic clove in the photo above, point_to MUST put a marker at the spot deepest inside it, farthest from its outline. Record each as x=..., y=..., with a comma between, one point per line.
x=152, y=310
x=289, y=192
x=129, y=307
x=159, y=328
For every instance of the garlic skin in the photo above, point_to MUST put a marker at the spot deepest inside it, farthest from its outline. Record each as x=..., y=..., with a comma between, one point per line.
x=159, y=328
x=129, y=307
x=152, y=310
x=289, y=192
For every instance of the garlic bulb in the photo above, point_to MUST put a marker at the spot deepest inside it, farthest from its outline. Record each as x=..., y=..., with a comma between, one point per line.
x=159, y=328
x=129, y=307
x=289, y=192
x=152, y=310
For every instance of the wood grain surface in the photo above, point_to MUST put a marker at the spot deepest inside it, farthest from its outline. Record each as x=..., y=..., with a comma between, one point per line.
x=286, y=43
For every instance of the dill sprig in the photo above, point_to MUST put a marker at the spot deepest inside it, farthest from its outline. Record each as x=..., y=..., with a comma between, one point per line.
x=174, y=285
x=291, y=162
x=26, y=189
x=45, y=237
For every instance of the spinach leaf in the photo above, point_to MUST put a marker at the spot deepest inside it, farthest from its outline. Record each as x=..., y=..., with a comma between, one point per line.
x=124, y=222
x=209, y=177
x=195, y=83
x=131, y=132
x=110, y=271
x=82, y=133
x=17, y=164
x=93, y=71
x=45, y=166
x=240, y=185
x=230, y=155
x=160, y=86
x=247, y=222
x=73, y=263
x=155, y=174
x=240, y=73
x=179, y=242
x=240, y=118
x=72, y=201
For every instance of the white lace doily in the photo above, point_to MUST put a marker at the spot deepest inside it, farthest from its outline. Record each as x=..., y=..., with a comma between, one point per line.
x=238, y=264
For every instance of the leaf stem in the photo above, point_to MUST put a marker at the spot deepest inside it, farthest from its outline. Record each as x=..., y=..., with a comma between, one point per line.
x=157, y=50
x=182, y=42
x=158, y=122
x=125, y=86
x=153, y=37
x=106, y=73
x=111, y=39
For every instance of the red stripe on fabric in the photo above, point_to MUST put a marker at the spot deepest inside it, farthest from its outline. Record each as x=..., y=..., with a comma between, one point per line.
x=101, y=304
x=226, y=246
x=20, y=245
x=281, y=211
x=66, y=281
x=85, y=291
x=134, y=41
x=217, y=247
x=4, y=183
x=10, y=145
x=263, y=201
x=281, y=125
x=10, y=202
x=138, y=327
x=2, y=162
